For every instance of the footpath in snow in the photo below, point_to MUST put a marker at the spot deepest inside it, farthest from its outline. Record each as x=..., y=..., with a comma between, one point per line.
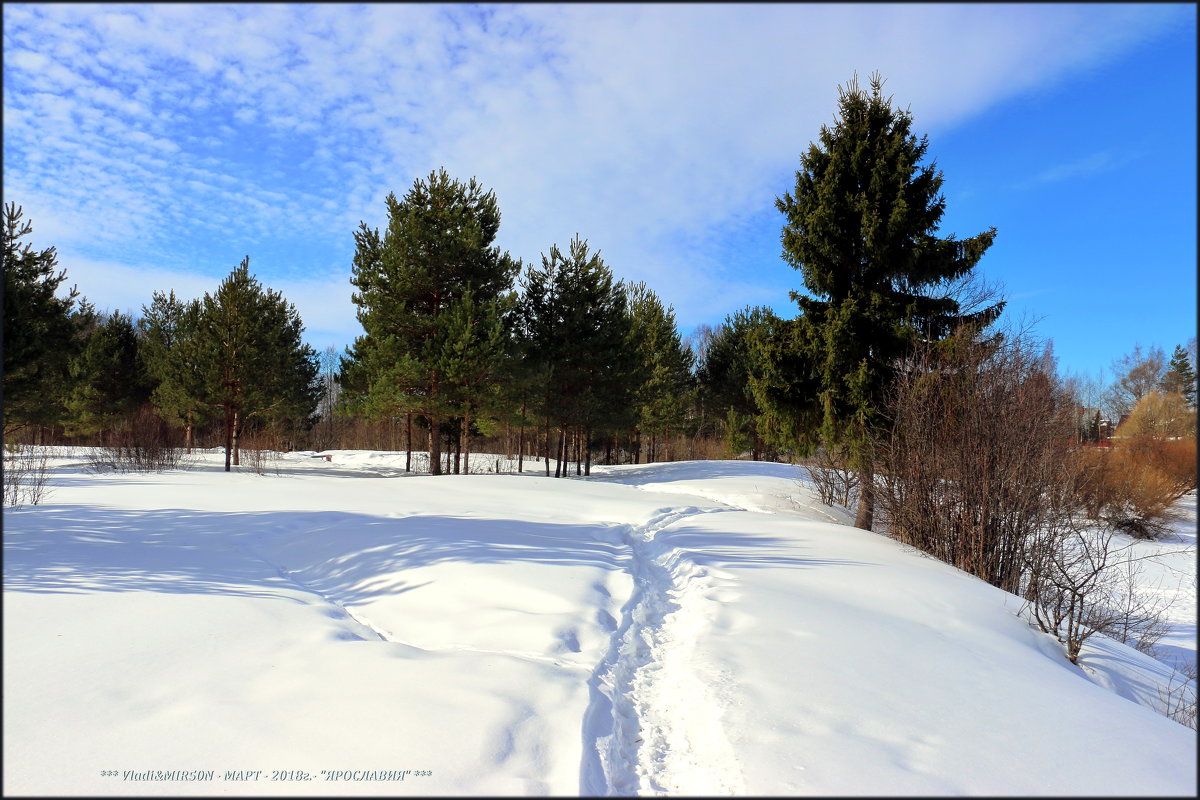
x=694, y=628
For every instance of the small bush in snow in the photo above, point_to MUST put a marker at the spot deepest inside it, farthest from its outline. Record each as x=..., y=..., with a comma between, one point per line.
x=1133, y=485
x=1178, y=697
x=835, y=479
x=26, y=473
x=142, y=443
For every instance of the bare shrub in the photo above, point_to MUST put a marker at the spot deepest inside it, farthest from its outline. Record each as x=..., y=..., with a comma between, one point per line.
x=1160, y=415
x=1133, y=486
x=979, y=456
x=26, y=474
x=1081, y=581
x=1174, y=458
x=142, y=443
x=1178, y=697
x=258, y=454
x=1131, y=613
x=835, y=479
x=1065, y=574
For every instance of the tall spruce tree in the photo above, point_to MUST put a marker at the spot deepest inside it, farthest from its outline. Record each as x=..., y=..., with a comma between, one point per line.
x=438, y=246
x=861, y=228
x=40, y=337
x=1180, y=376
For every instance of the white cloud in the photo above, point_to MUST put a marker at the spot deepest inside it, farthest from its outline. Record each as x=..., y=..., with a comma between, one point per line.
x=639, y=126
x=1096, y=162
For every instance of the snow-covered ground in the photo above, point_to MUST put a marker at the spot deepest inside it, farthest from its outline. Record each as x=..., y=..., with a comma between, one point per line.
x=683, y=628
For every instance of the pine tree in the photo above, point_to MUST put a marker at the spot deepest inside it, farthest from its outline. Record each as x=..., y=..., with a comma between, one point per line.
x=252, y=358
x=438, y=246
x=861, y=228
x=1180, y=376
x=169, y=346
x=39, y=333
x=110, y=380
x=663, y=397
x=577, y=327
x=473, y=355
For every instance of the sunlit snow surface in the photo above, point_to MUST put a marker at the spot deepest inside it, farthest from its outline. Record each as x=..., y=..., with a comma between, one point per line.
x=684, y=628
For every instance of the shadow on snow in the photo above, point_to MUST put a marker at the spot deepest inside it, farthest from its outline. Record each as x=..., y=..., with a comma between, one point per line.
x=355, y=556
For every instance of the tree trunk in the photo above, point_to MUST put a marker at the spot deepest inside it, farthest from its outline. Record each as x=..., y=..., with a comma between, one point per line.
x=408, y=444
x=458, y=448
x=587, y=469
x=521, y=440
x=466, y=440
x=546, y=447
x=435, y=446
x=188, y=441
x=564, y=439
x=237, y=436
x=557, y=454
x=228, y=435
x=864, y=517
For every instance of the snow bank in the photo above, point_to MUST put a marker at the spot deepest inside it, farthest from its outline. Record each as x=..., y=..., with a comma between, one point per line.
x=638, y=632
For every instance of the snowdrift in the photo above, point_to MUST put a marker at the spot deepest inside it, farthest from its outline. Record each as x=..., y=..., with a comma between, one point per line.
x=685, y=628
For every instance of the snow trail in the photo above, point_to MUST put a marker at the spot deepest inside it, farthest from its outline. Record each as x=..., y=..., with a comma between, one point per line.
x=655, y=722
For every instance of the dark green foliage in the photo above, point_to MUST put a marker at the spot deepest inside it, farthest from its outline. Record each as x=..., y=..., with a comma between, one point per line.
x=39, y=333
x=663, y=396
x=734, y=362
x=576, y=328
x=437, y=250
x=474, y=352
x=253, y=362
x=109, y=378
x=1180, y=376
x=170, y=351
x=861, y=228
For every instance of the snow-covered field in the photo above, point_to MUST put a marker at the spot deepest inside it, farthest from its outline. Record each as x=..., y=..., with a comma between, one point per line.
x=683, y=628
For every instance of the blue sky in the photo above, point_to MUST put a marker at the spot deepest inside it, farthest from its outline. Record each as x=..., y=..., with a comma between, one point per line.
x=156, y=145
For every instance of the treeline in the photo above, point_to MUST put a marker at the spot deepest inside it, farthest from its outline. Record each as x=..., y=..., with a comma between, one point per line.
x=557, y=361
x=465, y=347
x=462, y=341
x=230, y=362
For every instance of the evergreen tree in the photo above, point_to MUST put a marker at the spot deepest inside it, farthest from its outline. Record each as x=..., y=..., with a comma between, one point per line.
x=438, y=246
x=861, y=228
x=253, y=361
x=473, y=355
x=39, y=332
x=728, y=373
x=110, y=380
x=578, y=328
x=169, y=346
x=1180, y=377
x=663, y=397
